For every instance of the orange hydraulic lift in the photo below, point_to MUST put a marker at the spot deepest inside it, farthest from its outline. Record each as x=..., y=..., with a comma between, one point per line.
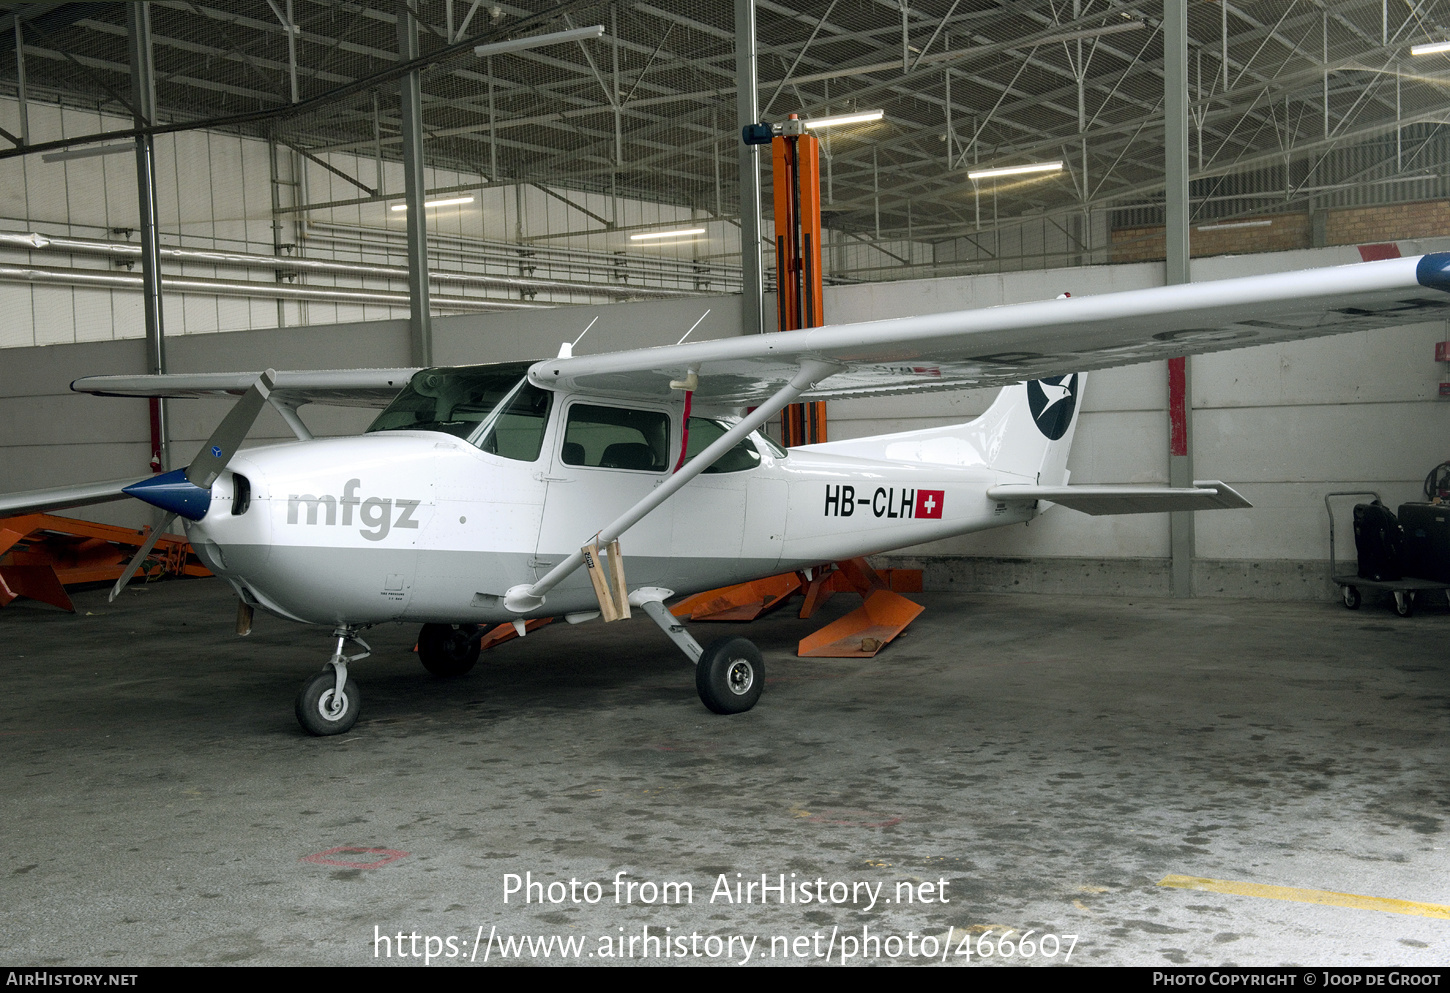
x=796, y=157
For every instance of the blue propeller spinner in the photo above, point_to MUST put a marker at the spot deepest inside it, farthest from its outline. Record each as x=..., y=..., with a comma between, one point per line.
x=173, y=492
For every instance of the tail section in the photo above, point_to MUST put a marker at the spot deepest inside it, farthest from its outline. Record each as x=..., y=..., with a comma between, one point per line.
x=1025, y=434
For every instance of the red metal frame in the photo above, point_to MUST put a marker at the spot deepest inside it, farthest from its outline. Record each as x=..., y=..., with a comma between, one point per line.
x=41, y=554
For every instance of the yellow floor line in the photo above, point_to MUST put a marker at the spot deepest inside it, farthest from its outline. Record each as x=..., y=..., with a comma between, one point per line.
x=1297, y=895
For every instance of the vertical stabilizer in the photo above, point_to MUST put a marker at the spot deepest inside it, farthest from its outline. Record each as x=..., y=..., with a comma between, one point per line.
x=1031, y=425
x=1025, y=434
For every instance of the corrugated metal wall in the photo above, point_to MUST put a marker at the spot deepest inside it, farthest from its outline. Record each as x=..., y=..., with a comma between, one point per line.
x=215, y=193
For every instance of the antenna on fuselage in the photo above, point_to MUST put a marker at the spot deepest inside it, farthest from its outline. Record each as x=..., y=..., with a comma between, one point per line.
x=693, y=327
x=566, y=349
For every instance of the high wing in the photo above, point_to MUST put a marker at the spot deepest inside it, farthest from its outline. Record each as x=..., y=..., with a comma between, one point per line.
x=63, y=497
x=997, y=346
x=337, y=387
x=992, y=346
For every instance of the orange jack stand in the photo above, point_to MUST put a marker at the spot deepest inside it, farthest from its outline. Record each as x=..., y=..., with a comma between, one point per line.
x=500, y=633
x=864, y=631
x=41, y=554
x=744, y=602
x=869, y=628
x=860, y=634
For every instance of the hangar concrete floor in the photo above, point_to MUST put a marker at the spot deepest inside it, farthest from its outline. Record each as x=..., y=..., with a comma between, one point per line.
x=1043, y=763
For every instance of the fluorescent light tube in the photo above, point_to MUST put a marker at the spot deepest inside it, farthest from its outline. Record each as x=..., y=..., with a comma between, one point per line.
x=651, y=235
x=451, y=201
x=1021, y=170
x=861, y=118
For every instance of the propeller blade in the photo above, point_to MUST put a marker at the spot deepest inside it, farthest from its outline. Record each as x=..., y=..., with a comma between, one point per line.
x=140, y=556
x=228, y=436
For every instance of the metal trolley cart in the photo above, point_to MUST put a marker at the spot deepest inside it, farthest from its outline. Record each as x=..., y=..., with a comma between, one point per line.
x=1350, y=583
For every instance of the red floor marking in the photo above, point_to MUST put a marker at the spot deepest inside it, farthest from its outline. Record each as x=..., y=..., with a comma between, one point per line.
x=853, y=818
x=321, y=858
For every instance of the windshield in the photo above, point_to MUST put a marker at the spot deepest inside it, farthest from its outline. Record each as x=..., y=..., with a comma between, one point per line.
x=456, y=401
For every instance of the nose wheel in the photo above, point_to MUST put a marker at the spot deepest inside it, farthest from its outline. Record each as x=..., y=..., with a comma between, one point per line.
x=330, y=702
x=322, y=710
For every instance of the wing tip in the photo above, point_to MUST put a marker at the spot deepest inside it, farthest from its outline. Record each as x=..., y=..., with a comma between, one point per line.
x=1433, y=270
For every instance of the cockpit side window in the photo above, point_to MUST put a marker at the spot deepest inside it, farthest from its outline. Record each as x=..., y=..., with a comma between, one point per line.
x=517, y=432
x=616, y=438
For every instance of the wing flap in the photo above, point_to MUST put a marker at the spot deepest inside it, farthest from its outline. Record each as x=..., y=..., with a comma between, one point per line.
x=1204, y=494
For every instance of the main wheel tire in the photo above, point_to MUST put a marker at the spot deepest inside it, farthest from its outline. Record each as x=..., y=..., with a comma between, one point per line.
x=1351, y=597
x=315, y=711
x=730, y=676
x=448, y=650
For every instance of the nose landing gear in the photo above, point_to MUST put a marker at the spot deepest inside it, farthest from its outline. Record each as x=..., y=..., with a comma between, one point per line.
x=329, y=702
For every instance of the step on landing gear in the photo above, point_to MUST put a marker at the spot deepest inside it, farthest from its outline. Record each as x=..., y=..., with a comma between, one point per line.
x=729, y=674
x=329, y=702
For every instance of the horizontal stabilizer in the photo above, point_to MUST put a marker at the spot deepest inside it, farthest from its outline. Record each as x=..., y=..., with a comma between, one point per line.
x=61, y=497
x=1204, y=494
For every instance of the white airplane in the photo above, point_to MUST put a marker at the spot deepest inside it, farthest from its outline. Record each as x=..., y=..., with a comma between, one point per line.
x=479, y=492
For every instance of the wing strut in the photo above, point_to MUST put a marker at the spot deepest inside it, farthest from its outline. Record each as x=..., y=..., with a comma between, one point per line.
x=523, y=598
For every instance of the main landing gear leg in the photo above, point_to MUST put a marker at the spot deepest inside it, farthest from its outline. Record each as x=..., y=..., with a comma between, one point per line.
x=329, y=703
x=729, y=674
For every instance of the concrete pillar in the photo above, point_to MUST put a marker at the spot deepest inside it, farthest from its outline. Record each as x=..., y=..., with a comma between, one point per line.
x=1180, y=381
x=747, y=109
x=410, y=91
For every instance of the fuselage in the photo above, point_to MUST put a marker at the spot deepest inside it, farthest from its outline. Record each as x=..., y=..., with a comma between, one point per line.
x=428, y=526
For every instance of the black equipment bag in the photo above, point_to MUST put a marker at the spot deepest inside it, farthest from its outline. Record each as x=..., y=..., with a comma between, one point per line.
x=1379, y=542
x=1427, y=540
x=1437, y=484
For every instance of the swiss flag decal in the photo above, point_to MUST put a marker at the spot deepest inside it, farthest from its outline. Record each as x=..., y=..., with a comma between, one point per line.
x=928, y=503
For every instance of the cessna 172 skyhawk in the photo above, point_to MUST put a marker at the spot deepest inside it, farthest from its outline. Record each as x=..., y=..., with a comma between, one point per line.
x=467, y=501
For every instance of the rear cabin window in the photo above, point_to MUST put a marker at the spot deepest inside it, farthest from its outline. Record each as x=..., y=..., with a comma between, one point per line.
x=704, y=432
x=616, y=438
